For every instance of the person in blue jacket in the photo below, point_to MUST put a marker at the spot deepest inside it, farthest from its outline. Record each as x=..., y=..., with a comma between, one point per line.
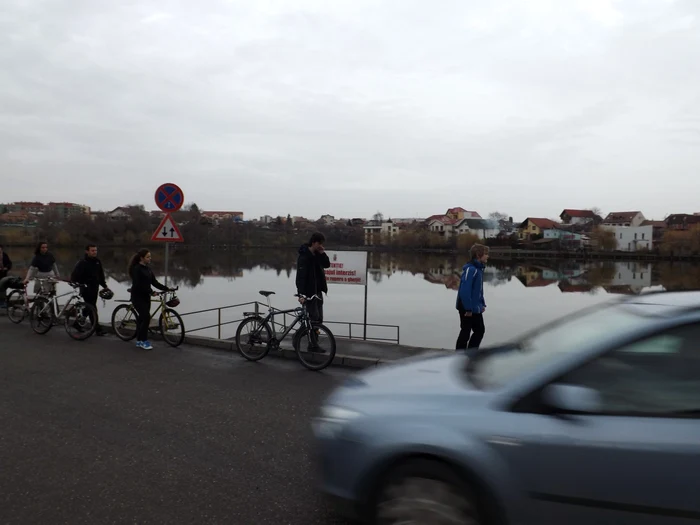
x=470, y=299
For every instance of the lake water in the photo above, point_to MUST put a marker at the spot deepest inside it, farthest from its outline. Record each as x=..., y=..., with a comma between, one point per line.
x=415, y=292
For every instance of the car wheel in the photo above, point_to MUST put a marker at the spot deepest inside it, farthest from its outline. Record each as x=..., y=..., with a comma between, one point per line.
x=421, y=492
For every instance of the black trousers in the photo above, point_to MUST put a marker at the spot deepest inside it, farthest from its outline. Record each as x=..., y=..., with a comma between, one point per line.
x=90, y=295
x=315, y=309
x=472, y=325
x=142, y=305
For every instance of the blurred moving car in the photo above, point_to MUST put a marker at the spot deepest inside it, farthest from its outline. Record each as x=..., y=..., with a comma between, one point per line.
x=594, y=418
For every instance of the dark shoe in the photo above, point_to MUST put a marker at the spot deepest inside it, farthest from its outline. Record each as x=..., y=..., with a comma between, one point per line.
x=316, y=349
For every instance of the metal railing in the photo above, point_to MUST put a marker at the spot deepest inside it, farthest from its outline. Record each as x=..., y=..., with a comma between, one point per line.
x=283, y=324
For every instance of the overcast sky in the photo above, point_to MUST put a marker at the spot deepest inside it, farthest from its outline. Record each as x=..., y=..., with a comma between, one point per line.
x=349, y=107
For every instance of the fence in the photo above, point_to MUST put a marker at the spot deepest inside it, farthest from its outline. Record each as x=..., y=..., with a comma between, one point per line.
x=254, y=306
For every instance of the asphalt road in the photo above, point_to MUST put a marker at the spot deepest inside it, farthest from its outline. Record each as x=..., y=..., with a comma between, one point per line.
x=102, y=432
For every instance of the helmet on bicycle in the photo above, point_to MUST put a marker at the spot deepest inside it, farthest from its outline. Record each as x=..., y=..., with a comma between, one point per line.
x=172, y=303
x=106, y=294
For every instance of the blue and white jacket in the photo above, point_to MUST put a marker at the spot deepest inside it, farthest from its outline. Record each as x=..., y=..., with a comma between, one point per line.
x=471, y=288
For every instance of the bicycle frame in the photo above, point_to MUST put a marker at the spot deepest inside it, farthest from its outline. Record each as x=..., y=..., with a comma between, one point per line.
x=53, y=302
x=300, y=316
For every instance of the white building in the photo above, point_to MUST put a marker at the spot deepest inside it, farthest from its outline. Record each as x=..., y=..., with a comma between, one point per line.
x=633, y=238
x=378, y=232
x=484, y=228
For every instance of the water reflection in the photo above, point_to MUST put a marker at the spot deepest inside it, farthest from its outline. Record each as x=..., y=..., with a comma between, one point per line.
x=190, y=268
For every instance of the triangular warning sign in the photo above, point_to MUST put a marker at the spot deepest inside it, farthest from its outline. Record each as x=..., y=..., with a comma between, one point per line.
x=167, y=231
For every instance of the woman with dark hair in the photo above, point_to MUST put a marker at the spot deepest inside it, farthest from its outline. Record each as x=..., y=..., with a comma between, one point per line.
x=142, y=279
x=43, y=266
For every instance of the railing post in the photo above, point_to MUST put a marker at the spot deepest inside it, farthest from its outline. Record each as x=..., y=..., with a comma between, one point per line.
x=350, y=330
x=256, y=308
x=398, y=333
x=219, y=323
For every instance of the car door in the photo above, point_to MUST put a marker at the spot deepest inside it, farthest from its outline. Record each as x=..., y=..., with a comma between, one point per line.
x=636, y=461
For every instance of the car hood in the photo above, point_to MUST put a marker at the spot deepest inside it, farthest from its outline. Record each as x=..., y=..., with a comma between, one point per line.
x=417, y=382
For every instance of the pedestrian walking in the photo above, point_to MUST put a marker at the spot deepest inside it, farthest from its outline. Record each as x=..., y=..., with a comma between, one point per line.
x=470, y=299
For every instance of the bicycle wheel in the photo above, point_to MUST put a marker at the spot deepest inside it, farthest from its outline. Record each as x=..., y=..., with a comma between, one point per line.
x=253, y=338
x=80, y=321
x=124, y=322
x=171, y=327
x=317, y=349
x=41, y=315
x=16, y=311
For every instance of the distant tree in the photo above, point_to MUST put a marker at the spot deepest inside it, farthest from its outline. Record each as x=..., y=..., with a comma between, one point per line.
x=378, y=217
x=603, y=239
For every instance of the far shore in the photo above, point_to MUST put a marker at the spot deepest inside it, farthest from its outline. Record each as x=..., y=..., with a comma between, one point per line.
x=497, y=252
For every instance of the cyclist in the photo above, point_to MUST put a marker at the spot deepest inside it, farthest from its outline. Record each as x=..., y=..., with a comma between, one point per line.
x=311, y=277
x=89, y=272
x=43, y=266
x=142, y=279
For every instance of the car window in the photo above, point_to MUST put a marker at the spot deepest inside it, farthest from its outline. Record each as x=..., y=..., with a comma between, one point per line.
x=656, y=376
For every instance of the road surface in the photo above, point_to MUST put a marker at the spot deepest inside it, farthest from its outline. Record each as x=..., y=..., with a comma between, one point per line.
x=102, y=432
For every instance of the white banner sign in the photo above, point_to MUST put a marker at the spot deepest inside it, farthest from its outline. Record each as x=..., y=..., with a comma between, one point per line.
x=347, y=268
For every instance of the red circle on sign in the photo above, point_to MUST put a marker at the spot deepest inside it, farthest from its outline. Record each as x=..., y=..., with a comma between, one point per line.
x=169, y=197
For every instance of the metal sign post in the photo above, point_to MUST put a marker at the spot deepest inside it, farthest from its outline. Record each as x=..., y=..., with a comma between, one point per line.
x=169, y=199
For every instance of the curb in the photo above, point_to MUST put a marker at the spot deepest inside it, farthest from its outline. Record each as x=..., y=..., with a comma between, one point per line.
x=344, y=361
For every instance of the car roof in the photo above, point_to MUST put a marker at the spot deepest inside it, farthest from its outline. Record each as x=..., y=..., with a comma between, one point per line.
x=664, y=303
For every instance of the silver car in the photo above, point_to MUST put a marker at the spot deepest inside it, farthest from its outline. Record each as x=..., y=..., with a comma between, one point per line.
x=593, y=419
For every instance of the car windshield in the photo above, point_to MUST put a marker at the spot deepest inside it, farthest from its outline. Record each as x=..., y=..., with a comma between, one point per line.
x=495, y=367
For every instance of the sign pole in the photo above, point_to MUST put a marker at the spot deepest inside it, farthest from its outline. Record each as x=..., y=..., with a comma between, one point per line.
x=167, y=244
x=366, y=285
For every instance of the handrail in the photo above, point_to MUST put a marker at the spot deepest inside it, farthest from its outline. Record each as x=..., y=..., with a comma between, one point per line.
x=283, y=323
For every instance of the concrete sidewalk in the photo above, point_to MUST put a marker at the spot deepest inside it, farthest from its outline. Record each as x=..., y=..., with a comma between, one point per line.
x=353, y=353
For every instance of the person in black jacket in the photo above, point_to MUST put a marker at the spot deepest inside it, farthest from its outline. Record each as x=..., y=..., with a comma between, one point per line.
x=5, y=266
x=311, y=278
x=89, y=271
x=43, y=266
x=142, y=279
x=5, y=263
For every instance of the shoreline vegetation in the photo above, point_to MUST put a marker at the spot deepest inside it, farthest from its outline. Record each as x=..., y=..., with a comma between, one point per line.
x=135, y=228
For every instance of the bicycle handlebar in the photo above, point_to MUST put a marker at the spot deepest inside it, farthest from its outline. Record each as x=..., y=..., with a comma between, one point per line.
x=53, y=280
x=170, y=290
x=314, y=296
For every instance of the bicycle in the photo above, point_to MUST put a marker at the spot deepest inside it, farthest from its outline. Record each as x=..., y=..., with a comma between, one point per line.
x=170, y=323
x=261, y=334
x=18, y=304
x=76, y=313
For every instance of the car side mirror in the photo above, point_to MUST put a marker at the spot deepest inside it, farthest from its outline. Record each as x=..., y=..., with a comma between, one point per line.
x=572, y=399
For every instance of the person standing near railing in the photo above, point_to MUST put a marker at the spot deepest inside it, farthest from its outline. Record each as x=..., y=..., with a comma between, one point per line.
x=89, y=272
x=43, y=266
x=142, y=279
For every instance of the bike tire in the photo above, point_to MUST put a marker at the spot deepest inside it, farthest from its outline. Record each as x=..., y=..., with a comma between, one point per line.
x=36, y=320
x=315, y=360
x=178, y=336
x=16, y=310
x=118, y=325
x=262, y=326
x=88, y=330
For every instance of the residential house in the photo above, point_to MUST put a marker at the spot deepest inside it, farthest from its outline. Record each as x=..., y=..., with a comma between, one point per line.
x=538, y=228
x=633, y=238
x=266, y=219
x=380, y=232
x=18, y=218
x=119, y=213
x=215, y=217
x=64, y=210
x=658, y=228
x=327, y=219
x=570, y=216
x=483, y=228
x=682, y=221
x=446, y=225
x=624, y=218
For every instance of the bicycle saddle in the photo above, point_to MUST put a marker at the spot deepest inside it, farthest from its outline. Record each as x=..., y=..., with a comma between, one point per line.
x=265, y=293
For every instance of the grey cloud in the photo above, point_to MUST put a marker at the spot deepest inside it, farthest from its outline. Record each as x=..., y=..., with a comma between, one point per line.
x=350, y=107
